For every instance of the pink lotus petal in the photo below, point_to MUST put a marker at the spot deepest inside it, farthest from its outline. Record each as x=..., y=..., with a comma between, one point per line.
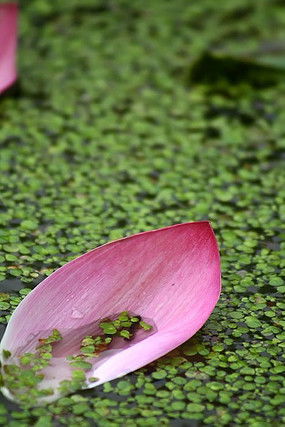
x=8, y=44
x=169, y=276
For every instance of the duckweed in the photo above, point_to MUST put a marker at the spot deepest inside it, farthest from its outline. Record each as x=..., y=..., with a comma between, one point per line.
x=23, y=377
x=107, y=137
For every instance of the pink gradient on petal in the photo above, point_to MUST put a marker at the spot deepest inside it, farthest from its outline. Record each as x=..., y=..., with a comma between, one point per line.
x=171, y=276
x=8, y=44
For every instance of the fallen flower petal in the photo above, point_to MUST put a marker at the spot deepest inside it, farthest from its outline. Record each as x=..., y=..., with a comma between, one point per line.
x=8, y=44
x=170, y=277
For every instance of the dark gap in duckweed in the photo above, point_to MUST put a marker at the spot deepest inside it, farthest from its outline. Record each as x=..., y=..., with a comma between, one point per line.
x=238, y=13
x=212, y=132
x=268, y=290
x=15, y=91
x=233, y=113
x=11, y=285
x=211, y=68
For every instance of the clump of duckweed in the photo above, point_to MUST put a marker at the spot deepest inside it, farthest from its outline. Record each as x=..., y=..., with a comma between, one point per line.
x=125, y=326
x=23, y=379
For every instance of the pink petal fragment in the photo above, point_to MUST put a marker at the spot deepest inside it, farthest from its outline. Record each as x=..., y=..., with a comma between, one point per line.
x=8, y=44
x=169, y=276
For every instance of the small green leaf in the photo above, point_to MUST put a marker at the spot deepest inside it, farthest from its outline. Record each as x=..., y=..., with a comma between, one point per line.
x=81, y=364
x=108, y=328
x=145, y=325
x=124, y=333
x=6, y=354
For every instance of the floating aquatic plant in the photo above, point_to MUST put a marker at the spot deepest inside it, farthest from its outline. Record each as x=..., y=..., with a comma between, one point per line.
x=8, y=42
x=164, y=283
x=24, y=377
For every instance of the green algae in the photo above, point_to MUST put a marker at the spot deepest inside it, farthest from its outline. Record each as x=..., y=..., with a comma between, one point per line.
x=109, y=137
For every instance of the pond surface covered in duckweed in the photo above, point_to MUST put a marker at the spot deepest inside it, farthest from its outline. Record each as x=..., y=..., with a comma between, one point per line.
x=105, y=135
